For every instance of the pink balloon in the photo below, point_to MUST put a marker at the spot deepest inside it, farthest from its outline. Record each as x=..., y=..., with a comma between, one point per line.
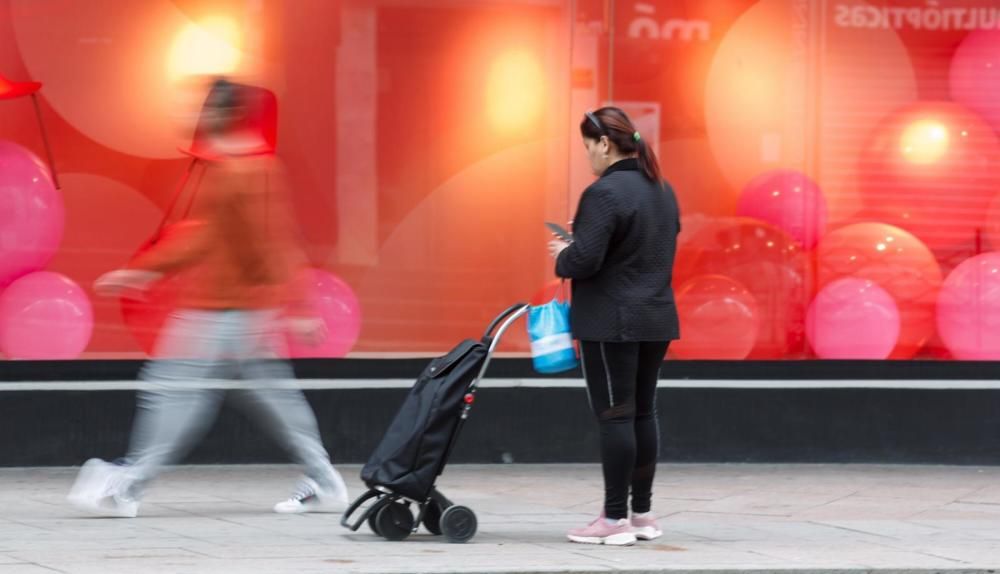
x=44, y=315
x=790, y=201
x=975, y=75
x=334, y=301
x=968, y=309
x=31, y=213
x=896, y=261
x=852, y=319
x=930, y=168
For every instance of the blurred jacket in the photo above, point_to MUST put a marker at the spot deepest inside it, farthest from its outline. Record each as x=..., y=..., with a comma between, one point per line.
x=238, y=247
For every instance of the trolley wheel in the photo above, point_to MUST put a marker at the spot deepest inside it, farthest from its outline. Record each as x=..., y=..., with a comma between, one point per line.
x=458, y=523
x=373, y=523
x=432, y=517
x=394, y=521
x=379, y=504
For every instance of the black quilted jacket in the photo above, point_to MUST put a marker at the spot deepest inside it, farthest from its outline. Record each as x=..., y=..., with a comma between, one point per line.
x=621, y=258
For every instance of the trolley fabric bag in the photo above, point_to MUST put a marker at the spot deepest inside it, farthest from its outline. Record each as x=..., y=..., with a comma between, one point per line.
x=412, y=451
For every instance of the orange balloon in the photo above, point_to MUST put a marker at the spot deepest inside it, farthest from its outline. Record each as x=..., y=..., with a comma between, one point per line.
x=932, y=168
x=899, y=263
x=719, y=319
x=768, y=262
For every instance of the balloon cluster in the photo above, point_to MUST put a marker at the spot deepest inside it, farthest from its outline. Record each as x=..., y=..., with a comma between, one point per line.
x=891, y=260
x=910, y=269
x=43, y=315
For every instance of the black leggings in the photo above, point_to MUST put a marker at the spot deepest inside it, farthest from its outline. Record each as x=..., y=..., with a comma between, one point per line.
x=621, y=384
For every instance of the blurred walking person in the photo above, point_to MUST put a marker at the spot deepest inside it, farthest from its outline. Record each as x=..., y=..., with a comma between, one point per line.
x=240, y=257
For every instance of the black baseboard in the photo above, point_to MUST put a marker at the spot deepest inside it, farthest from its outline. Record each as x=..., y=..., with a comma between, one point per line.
x=126, y=370
x=883, y=425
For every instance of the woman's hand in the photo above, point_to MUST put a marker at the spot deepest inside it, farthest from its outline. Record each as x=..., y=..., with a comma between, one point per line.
x=307, y=330
x=556, y=247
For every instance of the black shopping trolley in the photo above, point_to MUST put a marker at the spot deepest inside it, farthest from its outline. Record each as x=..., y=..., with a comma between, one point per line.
x=402, y=471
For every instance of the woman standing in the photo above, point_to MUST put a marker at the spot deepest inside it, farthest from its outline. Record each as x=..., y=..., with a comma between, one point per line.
x=620, y=262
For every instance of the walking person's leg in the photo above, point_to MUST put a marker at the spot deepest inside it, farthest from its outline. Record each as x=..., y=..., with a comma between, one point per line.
x=172, y=413
x=272, y=397
x=610, y=373
x=647, y=438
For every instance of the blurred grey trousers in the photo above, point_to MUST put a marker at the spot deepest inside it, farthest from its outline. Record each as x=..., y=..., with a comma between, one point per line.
x=197, y=355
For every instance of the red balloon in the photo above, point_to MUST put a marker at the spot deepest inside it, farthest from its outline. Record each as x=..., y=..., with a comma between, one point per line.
x=768, y=262
x=895, y=260
x=145, y=315
x=789, y=200
x=719, y=319
x=931, y=168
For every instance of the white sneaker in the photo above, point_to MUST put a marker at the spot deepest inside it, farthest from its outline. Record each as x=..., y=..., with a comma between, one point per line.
x=310, y=497
x=98, y=491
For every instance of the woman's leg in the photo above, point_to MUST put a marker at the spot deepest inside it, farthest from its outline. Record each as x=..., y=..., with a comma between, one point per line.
x=647, y=428
x=610, y=371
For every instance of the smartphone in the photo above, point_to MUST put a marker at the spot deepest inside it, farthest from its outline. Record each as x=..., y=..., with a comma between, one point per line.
x=559, y=230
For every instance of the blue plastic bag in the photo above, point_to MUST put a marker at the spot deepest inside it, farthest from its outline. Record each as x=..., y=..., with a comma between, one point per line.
x=551, y=340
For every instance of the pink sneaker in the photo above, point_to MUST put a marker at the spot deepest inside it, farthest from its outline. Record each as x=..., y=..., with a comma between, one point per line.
x=600, y=532
x=645, y=527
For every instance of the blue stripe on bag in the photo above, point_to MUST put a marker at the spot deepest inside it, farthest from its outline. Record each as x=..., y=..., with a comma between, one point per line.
x=551, y=339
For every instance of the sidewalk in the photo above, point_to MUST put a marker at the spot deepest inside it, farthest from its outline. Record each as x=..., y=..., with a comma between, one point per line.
x=720, y=518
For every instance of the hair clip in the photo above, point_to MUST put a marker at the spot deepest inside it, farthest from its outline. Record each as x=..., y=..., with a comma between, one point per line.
x=597, y=123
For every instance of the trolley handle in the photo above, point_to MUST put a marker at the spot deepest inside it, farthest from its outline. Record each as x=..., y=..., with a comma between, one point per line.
x=491, y=340
x=499, y=318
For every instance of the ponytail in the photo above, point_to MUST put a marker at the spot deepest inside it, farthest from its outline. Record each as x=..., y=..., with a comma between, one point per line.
x=647, y=161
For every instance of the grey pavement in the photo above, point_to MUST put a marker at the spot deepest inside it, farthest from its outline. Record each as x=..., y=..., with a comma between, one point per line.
x=718, y=518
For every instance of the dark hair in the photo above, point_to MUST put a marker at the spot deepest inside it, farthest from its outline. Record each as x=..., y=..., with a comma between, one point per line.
x=613, y=123
x=226, y=98
x=224, y=94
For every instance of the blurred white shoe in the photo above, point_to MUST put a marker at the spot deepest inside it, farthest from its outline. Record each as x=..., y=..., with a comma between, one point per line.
x=311, y=497
x=99, y=490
